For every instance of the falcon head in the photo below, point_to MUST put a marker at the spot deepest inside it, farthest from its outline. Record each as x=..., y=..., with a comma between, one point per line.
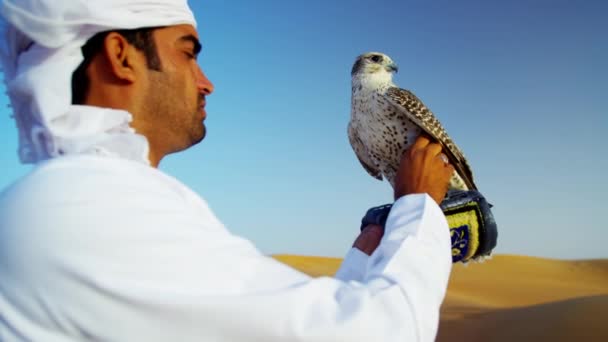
x=374, y=68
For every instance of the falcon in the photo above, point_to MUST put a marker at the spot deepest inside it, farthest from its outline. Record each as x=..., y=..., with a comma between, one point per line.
x=386, y=120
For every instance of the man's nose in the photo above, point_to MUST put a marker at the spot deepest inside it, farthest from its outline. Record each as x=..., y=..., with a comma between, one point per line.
x=204, y=86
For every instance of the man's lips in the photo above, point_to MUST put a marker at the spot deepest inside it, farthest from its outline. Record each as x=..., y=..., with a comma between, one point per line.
x=201, y=109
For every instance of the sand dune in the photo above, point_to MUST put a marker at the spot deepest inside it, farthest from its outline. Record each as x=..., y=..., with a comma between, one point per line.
x=513, y=298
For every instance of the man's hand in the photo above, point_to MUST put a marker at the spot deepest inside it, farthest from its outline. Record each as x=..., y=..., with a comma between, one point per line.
x=423, y=169
x=369, y=239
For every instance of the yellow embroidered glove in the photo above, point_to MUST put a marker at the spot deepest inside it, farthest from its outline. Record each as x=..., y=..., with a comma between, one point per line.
x=472, y=225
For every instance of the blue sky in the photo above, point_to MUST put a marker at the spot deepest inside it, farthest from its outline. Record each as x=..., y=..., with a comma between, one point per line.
x=519, y=85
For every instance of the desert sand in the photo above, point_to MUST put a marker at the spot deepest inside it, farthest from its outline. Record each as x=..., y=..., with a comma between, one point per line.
x=513, y=298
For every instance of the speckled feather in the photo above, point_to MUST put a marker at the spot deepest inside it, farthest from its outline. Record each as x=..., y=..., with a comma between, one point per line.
x=386, y=120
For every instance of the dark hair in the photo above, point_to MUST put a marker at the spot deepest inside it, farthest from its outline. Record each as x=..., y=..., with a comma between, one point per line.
x=141, y=39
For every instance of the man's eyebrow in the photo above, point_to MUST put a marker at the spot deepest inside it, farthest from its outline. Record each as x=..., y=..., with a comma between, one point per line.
x=192, y=39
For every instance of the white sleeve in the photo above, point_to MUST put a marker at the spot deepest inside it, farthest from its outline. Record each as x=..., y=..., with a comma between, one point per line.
x=168, y=273
x=398, y=298
x=415, y=248
x=353, y=266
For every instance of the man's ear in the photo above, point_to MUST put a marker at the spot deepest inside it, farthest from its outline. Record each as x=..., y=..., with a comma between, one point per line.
x=123, y=58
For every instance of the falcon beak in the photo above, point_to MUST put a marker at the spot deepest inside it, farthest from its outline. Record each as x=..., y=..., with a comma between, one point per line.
x=392, y=67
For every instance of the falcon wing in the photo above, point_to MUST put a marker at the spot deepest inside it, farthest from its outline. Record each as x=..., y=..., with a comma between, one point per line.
x=361, y=152
x=407, y=103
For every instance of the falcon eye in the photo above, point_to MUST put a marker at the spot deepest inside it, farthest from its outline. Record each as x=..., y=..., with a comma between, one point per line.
x=376, y=59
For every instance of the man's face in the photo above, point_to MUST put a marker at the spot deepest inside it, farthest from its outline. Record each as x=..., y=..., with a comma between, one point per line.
x=176, y=94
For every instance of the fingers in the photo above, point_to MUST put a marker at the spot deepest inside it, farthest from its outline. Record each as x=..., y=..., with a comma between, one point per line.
x=424, y=142
x=369, y=239
x=448, y=169
x=421, y=142
x=434, y=149
x=431, y=149
x=424, y=169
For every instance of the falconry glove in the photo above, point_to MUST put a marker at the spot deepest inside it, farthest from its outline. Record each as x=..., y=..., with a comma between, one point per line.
x=472, y=226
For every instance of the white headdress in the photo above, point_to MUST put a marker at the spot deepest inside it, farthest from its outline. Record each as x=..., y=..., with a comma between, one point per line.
x=40, y=47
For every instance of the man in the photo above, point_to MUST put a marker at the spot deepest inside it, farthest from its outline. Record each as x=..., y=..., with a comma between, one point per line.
x=97, y=244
